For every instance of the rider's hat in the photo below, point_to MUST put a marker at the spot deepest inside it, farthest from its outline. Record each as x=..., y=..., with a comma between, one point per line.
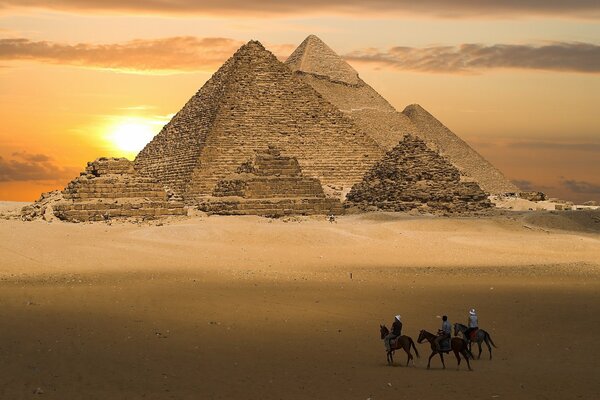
x=472, y=312
x=398, y=317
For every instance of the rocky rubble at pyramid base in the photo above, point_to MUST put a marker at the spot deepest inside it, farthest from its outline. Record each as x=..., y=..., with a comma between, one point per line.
x=271, y=207
x=105, y=211
x=108, y=188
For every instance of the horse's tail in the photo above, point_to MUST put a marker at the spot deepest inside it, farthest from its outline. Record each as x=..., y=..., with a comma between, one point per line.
x=487, y=335
x=414, y=347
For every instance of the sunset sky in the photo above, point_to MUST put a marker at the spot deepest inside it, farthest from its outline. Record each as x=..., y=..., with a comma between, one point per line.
x=518, y=80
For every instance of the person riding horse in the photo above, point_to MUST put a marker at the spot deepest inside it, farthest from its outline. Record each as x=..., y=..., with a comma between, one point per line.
x=444, y=333
x=473, y=323
x=394, y=333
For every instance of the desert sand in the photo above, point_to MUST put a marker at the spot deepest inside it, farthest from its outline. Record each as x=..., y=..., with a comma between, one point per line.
x=256, y=308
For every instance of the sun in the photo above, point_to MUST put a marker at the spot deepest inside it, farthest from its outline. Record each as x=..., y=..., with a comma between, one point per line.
x=132, y=136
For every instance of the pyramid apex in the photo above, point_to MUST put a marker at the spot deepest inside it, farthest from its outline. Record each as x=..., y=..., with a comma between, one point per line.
x=314, y=57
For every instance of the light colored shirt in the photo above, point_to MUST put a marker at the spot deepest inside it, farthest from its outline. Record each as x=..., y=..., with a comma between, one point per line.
x=473, y=321
x=446, y=327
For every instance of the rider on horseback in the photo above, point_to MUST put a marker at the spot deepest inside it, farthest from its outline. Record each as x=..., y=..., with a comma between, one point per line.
x=394, y=333
x=473, y=323
x=443, y=334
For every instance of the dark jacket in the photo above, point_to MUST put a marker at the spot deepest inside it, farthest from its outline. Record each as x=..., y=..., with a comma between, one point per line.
x=397, y=327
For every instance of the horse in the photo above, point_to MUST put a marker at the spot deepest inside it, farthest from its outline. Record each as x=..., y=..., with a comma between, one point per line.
x=457, y=345
x=480, y=336
x=401, y=342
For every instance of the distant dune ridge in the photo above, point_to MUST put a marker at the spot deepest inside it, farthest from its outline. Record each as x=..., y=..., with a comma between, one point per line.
x=315, y=110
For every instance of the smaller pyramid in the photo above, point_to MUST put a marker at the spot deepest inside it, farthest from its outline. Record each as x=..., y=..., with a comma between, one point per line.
x=411, y=176
x=313, y=56
x=108, y=188
x=270, y=185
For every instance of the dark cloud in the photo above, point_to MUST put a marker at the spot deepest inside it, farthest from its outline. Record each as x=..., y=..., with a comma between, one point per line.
x=24, y=166
x=575, y=57
x=524, y=184
x=556, y=146
x=175, y=53
x=180, y=53
x=581, y=186
x=440, y=8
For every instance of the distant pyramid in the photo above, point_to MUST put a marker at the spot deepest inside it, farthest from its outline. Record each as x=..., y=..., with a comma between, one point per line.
x=470, y=162
x=376, y=116
x=251, y=102
x=315, y=57
x=411, y=176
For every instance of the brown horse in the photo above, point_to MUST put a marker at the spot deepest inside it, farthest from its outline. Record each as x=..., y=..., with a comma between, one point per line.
x=457, y=345
x=402, y=342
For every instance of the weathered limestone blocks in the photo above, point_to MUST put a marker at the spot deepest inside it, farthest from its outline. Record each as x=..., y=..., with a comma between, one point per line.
x=412, y=176
x=110, y=188
x=254, y=99
x=270, y=185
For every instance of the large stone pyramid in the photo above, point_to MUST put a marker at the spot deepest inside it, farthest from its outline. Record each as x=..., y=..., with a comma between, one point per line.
x=313, y=61
x=412, y=176
x=251, y=102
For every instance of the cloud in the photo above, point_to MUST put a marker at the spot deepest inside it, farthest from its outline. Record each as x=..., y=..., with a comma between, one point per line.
x=559, y=56
x=581, y=186
x=440, y=8
x=556, y=146
x=24, y=166
x=180, y=53
x=524, y=184
x=187, y=53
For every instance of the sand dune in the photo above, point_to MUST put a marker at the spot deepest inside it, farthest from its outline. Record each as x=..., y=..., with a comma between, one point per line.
x=247, y=307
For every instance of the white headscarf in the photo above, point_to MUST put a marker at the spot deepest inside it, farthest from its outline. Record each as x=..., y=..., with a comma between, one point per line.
x=472, y=312
x=398, y=317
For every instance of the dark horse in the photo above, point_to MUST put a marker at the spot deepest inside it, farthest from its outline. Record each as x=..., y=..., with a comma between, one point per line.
x=480, y=336
x=457, y=345
x=401, y=342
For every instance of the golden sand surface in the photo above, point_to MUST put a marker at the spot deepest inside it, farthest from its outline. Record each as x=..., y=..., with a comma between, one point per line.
x=254, y=308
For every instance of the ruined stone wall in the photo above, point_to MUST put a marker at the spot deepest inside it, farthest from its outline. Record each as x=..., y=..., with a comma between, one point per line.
x=266, y=104
x=110, y=188
x=411, y=176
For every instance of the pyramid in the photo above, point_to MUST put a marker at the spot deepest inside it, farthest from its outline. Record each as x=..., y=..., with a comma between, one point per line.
x=270, y=184
x=470, y=162
x=411, y=176
x=376, y=116
x=251, y=102
x=108, y=188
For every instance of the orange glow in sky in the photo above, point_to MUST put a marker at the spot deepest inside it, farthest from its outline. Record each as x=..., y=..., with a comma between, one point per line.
x=85, y=79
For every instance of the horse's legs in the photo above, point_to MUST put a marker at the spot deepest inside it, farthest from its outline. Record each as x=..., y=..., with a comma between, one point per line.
x=433, y=353
x=464, y=353
x=479, y=345
x=409, y=356
x=442, y=357
x=487, y=343
x=392, y=357
x=457, y=359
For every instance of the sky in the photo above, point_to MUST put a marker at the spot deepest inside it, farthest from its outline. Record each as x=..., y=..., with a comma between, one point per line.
x=519, y=80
